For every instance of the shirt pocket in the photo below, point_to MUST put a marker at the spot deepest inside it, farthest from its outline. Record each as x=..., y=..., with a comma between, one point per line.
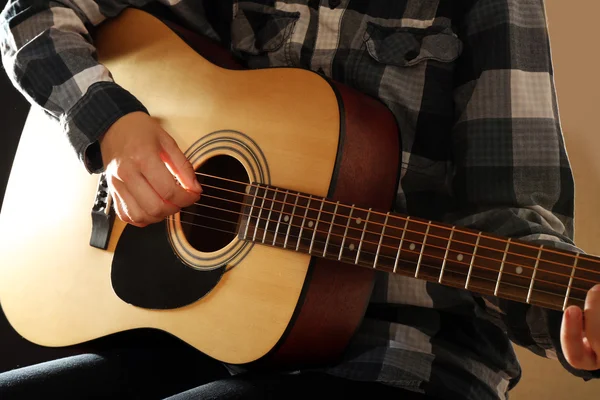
x=261, y=34
x=405, y=46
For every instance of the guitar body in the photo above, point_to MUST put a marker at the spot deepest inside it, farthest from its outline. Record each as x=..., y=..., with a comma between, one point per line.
x=234, y=301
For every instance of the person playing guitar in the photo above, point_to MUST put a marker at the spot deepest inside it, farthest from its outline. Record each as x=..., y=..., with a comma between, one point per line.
x=471, y=90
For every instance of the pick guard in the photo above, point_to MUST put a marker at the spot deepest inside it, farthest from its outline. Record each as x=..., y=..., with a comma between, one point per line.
x=146, y=273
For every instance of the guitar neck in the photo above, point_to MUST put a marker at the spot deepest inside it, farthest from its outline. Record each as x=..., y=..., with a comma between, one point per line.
x=427, y=250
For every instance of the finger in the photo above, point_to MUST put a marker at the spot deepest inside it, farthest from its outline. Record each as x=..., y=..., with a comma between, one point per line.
x=592, y=321
x=163, y=183
x=119, y=208
x=179, y=165
x=576, y=351
x=148, y=199
x=137, y=216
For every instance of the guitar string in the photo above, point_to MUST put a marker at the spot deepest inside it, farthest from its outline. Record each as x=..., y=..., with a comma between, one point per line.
x=368, y=265
x=405, y=240
x=467, y=264
x=386, y=226
x=507, y=272
x=432, y=223
x=421, y=233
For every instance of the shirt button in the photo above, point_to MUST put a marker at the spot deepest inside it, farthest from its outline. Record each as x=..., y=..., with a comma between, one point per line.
x=334, y=3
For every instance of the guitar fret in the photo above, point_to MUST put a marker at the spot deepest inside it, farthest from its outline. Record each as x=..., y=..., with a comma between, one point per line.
x=280, y=215
x=446, y=255
x=303, y=221
x=269, y=217
x=570, y=282
x=250, y=213
x=287, y=234
x=362, y=236
x=264, y=196
x=535, y=268
x=501, y=268
x=346, y=232
x=330, y=228
x=472, y=261
x=400, y=246
x=422, y=247
x=312, y=241
x=381, y=240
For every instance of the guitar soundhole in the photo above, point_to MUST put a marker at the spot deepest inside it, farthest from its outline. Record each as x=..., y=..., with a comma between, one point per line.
x=212, y=223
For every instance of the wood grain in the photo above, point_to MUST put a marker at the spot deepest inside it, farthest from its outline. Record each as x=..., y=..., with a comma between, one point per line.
x=55, y=289
x=336, y=300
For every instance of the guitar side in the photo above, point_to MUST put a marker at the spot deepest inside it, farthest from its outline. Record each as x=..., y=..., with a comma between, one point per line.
x=56, y=290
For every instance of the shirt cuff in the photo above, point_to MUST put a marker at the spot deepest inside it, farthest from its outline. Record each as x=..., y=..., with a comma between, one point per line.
x=102, y=105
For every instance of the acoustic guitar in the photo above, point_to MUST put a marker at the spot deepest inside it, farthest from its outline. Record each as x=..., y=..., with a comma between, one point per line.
x=275, y=263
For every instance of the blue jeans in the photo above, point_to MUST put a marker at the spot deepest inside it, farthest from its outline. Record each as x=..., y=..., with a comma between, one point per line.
x=160, y=367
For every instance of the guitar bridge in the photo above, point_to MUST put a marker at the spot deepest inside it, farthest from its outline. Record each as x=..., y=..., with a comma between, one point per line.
x=103, y=216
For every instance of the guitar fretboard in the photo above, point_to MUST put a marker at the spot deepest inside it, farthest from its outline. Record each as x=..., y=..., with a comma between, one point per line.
x=394, y=243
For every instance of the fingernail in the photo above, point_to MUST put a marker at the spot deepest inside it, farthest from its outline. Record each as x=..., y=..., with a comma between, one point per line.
x=197, y=186
x=595, y=288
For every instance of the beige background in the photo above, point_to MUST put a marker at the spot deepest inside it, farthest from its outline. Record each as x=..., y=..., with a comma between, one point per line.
x=574, y=39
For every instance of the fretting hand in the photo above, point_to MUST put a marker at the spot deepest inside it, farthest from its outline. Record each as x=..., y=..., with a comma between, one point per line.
x=142, y=162
x=580, y=333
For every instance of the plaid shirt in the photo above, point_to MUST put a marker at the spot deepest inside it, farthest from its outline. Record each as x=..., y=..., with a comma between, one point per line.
x=471, y=86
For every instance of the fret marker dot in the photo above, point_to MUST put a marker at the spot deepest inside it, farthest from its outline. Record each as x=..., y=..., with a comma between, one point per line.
x=351, y=247
x=286, y=218
x=310, y=224
x=459, y=257
x=519, y=270
x=412, y=246
x=358, y=221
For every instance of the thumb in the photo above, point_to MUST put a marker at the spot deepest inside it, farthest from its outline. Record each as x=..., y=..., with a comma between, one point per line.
x=179, y=165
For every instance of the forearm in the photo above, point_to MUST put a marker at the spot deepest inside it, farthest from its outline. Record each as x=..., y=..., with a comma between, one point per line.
x=48, y=53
